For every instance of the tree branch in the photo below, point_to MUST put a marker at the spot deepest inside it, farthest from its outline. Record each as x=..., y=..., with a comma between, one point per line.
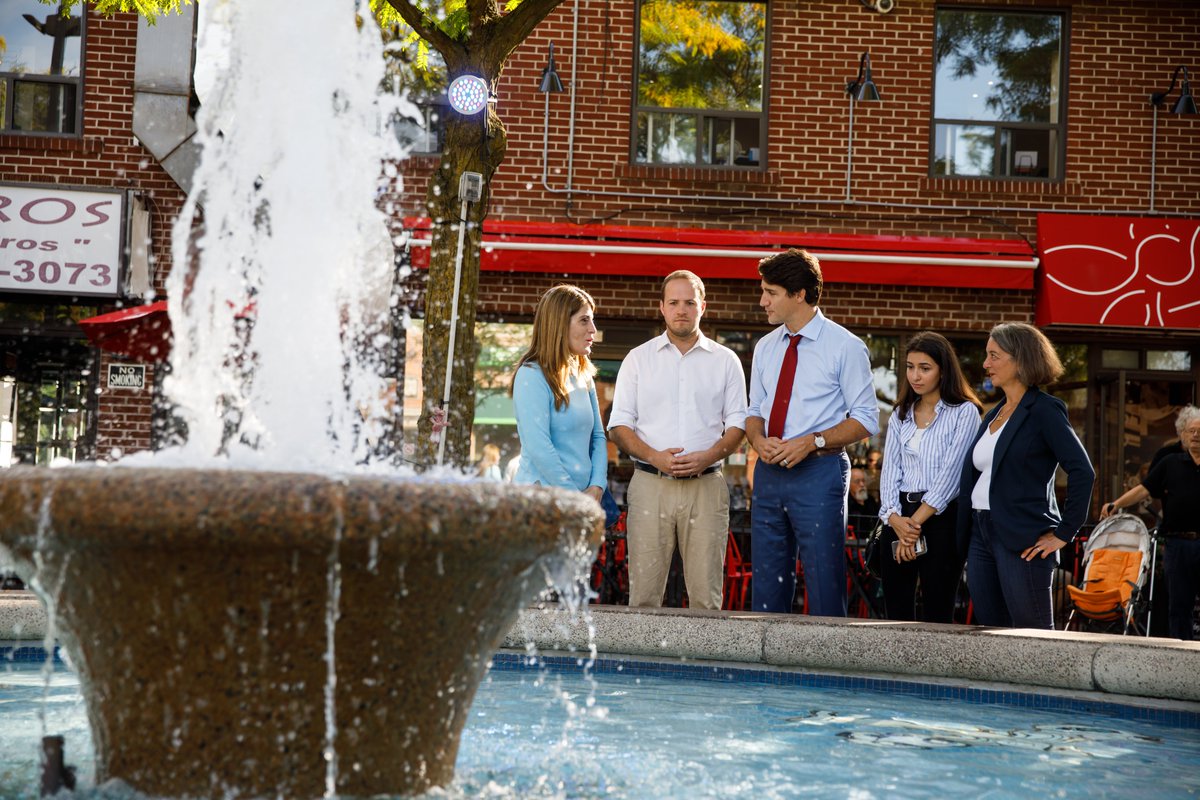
x=507, y=32
x=427, y=29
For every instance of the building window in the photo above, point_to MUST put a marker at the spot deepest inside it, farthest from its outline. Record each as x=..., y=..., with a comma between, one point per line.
x=423, y=129
x=998, y=94
x=40, y=67
x=700, y=97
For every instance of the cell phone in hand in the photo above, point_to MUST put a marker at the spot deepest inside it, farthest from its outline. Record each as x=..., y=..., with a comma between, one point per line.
x=919, y=549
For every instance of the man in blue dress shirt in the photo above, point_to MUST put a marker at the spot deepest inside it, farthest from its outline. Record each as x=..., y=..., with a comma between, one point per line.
x=811, y=394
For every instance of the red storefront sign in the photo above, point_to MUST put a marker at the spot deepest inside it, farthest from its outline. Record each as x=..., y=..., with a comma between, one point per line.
x=1126, y=271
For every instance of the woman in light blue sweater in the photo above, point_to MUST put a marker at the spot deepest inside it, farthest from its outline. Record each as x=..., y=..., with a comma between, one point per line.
x=558, y=415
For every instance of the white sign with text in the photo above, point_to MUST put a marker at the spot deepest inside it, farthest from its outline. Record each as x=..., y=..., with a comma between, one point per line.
x=126, y=376
x=60, y=241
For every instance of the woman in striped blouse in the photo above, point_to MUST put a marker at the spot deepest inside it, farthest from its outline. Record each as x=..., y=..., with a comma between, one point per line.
x=931, y=429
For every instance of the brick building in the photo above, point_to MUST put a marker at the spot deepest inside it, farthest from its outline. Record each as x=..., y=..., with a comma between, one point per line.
x=86, y=117
x=931, y=208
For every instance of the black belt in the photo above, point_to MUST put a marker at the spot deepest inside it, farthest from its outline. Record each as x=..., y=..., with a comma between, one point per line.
x=911, y=497
x=644, y=467
x=826, y=451
x=1193, y=535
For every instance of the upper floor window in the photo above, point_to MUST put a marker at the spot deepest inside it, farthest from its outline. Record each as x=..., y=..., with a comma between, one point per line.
x=998, y=94
x=700, y=96
x=40, y=67
x=420, y=78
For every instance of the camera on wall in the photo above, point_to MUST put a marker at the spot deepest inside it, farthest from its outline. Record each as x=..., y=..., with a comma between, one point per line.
x=882, y=6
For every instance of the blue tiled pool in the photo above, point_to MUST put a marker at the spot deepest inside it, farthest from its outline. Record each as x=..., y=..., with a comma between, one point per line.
x=637, y=729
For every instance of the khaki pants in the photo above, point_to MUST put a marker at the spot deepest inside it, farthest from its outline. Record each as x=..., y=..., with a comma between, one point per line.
x=663, y=511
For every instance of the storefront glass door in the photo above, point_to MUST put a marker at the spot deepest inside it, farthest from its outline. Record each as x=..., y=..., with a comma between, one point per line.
x=46, y=406
x=1136, y=418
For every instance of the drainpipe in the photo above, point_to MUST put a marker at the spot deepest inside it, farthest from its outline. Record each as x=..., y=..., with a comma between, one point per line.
x=162, y=92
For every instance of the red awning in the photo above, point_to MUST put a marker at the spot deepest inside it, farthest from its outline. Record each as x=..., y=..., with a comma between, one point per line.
x=141, y=332
x=1138, y=272
x=845, y=258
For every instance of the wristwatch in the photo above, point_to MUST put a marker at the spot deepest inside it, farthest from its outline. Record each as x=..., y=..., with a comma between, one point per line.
x=819, y=441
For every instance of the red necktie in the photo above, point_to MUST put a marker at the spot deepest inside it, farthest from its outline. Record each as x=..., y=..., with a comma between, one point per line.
x=783, y=389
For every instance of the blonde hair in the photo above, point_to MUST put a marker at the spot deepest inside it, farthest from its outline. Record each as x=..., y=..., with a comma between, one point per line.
x=550, y=347
x=684, y=275
x=489, y=458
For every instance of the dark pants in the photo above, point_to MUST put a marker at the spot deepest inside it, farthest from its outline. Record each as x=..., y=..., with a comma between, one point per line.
x=800, y=511
x=1182, y=569
x=1007, y=591
x=939, y=569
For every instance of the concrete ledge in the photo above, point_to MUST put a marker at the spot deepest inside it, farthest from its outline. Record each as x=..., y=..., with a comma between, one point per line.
x=1119, y=665
x=22, y=617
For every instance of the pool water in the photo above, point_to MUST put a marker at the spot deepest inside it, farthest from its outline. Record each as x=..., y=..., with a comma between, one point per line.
x=542, y=734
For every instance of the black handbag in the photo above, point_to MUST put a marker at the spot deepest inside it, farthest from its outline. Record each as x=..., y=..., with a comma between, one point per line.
x=873, y=553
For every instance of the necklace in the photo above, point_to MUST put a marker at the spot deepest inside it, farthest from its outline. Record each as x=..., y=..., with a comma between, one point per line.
x=929, y=422
x=1000, y=416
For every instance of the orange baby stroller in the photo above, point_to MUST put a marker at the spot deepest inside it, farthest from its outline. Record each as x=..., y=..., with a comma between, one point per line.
x=1116, y=564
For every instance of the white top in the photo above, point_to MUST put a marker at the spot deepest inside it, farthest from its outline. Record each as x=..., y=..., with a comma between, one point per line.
x=673, y=399
x=982, y=456
x=913, y=445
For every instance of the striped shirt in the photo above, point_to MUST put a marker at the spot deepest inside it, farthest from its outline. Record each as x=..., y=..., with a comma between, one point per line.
x=934, y=468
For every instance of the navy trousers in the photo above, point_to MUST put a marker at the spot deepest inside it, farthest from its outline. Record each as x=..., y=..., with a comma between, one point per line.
x=800, y=512
x=1006, y=590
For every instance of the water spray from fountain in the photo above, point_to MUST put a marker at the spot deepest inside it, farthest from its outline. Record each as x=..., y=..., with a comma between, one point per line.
x=280, y=248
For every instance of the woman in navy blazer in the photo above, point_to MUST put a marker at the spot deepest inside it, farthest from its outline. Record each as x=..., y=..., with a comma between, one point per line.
x=1007, y=508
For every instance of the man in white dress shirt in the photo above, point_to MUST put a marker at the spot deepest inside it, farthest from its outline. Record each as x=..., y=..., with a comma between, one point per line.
x=679, y=409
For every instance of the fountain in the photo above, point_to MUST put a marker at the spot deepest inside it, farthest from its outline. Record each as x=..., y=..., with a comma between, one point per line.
x=264, y=611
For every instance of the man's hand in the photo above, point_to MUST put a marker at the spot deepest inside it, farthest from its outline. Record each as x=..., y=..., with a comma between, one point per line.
x=687, y=464
x=664, y=460
x=594, y=492
x=769, y=448
x=793, y=451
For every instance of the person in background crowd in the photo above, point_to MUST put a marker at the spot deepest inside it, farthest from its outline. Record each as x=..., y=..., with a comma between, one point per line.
x=1009, y=521
x=489, y=463
x=1176, y=481
x=873, y=468
x=679, y=409
x=811, y=394
x=931, y=428
x=1179, y=446
x=510, y=469
x=861, y=507
x=554, y=397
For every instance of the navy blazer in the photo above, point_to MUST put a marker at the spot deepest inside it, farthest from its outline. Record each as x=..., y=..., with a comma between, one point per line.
x=1035, y=440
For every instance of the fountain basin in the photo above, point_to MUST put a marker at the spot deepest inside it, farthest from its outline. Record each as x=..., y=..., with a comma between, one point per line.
x=196, y=606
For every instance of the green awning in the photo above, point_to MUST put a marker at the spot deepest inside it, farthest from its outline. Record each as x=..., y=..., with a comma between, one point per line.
x=494, y=408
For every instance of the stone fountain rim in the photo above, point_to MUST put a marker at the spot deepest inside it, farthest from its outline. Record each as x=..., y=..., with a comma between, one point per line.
x=202, y=507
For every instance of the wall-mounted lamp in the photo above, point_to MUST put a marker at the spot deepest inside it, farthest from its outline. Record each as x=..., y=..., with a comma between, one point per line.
x=550, y=80
x=468, y=94
x=861, y=88
x=1186, y=104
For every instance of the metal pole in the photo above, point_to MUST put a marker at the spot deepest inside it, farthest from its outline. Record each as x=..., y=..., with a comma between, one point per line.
x=850, y=149
x=1153, y=149
x=458, y=259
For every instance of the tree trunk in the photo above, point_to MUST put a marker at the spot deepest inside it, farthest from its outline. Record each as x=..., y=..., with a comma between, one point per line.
x=473, y=144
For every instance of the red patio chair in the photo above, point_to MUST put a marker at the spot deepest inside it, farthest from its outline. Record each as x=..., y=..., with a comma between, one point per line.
x=737, y=577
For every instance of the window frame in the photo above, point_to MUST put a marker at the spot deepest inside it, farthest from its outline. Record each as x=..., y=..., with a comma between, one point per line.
x=1057, y=130
x=9, y=80
x=701, y=114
